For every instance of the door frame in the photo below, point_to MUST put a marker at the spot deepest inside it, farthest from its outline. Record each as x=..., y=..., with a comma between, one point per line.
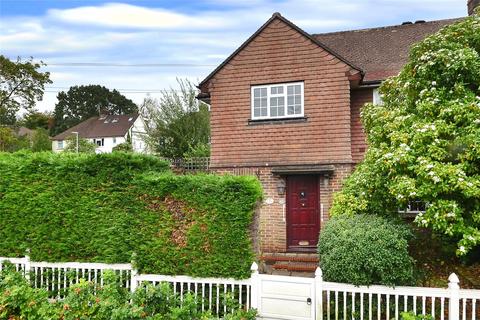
x=287, y=209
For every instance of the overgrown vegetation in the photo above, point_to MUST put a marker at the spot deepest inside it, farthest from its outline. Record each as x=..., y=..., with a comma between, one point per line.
x=86, y=300
x=86, y=207
x=424, y=141
x=365, y=250
x=178, y=123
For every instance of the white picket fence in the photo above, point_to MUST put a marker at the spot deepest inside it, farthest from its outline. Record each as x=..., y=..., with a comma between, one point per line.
x=275, y=297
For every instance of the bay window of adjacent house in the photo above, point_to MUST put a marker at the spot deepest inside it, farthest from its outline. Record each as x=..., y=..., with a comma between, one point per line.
x=276, y=101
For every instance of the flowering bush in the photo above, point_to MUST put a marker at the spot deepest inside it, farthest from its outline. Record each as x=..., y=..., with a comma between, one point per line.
x=424, y=140
x=86, y=300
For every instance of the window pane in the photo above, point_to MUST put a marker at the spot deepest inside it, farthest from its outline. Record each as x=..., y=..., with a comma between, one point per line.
x=263, y=112
x=281, y=101
x=290, y=100
x=298, y=109
x=273, y=102
x=256, y=112
x=256, y=103
x=273, y=111
x=297, y=89
x=298, y=99
x=273, y=90
x=263, y=102
x=256, y=93
x=263, y=92
x=289, y=90
x=290, y=109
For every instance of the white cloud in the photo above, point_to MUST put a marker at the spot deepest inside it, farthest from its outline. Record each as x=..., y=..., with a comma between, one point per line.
x=130, y=16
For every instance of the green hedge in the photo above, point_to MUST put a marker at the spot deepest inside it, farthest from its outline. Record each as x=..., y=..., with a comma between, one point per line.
x=111, y=207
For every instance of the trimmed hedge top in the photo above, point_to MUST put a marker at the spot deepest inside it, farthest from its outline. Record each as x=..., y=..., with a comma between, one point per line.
x=112, y=207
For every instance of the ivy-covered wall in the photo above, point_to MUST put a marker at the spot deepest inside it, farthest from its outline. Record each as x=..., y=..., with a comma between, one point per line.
x=110, y=207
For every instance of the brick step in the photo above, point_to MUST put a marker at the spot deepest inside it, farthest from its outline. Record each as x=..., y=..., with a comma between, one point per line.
x=296, y=267
x=290, y=258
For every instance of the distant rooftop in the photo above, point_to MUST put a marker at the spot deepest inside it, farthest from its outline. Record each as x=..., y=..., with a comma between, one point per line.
x=102, y=126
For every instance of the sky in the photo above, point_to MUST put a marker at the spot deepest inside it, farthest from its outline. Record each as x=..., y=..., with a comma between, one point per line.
x=142, y=47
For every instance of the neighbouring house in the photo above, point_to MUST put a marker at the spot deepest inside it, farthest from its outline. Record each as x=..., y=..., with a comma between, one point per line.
x=106, y=131
x=285, y=106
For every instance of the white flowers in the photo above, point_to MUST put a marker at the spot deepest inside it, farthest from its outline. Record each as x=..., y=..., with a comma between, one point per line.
x=413, y=193
x=462, y=249
x=430, y=166
x=450, y=214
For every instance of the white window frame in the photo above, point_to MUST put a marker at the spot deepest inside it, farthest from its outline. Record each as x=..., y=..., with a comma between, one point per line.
x=376, y=97
x=268, y=87
x=60, y=144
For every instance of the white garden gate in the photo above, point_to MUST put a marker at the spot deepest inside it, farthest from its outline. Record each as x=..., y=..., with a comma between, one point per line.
x=284, y=297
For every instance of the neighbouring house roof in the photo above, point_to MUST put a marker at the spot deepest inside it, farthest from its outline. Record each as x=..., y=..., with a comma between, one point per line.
x=380, y=52
x=102, y=126
x=23, y=131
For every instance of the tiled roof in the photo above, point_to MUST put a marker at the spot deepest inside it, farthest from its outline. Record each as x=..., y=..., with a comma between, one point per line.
x=103, y=126
x=380, y=52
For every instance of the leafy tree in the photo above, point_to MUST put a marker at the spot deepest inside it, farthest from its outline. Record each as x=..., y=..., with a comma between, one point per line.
x=41, y=140
x=178, y=123
x=424, y=140
x=36, y=119
x=84, y=145
x=8, y=140
x=82, y=102
x=21, y=85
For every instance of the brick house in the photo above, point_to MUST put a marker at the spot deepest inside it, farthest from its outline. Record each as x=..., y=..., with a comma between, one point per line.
x=285, y=106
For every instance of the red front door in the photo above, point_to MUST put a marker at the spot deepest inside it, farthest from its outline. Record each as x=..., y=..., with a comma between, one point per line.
x=303, y=216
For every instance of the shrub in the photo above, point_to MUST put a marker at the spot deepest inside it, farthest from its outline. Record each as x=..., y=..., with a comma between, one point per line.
x=20, y=301
x=104, y=208
x=86, y=300
x=124, y=147
x=365, y=250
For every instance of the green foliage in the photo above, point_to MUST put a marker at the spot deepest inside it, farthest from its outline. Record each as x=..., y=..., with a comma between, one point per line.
x=40, y=140
x=82, y=102
x=21, y=85
x=68, y=207
x=365, y=250
x=35, y=119
x=413, y=316
x=86, y=300
x=424, y=140
x=178, y=123
x=8, y=140
x=84, y=145
x=201, y=150
x=123, y=147
x=20, y=301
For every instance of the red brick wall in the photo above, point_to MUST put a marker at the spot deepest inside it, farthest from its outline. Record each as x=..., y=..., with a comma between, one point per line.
x=281, y=54
x=270, y=229
x=358, y=98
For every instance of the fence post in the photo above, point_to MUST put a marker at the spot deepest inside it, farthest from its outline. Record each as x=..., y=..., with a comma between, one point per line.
x=318, y=294
x=133, y=279
x=255, y=287
x=27, y=265
x=454, y=300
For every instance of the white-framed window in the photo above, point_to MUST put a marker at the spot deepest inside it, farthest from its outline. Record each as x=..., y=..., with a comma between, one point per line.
x=276, y=101
x=60, y=144
x=99, y=142
x=414, y=207
x=114, y=140
x=377, y=98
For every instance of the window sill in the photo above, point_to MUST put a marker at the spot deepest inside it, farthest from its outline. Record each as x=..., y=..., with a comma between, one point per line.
x=277, y=121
